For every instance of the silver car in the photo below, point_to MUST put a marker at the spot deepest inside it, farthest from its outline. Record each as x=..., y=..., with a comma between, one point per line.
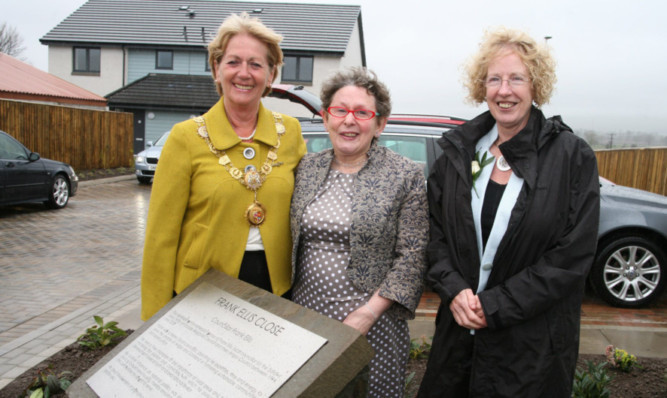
x=630, y=268
x=145, y=162
x=630, y=264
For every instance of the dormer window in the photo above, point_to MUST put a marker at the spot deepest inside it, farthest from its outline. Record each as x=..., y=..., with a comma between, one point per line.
x=164, y=59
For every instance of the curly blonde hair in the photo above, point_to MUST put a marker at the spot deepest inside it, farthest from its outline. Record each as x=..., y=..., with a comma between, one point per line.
x=539, y=62
x=243, y=23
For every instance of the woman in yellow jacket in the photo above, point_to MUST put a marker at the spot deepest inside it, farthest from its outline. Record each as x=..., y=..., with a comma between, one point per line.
x=221, y=194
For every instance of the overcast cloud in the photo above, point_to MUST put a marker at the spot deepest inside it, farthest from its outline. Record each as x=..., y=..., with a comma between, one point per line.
x=612, y=56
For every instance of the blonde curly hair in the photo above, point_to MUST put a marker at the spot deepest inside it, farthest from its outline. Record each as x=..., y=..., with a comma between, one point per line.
x=537, y=58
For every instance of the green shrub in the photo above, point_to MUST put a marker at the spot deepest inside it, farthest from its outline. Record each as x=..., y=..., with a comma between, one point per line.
x=47, y=384
x=419, y=348
x=100, y=335
x=591, y=383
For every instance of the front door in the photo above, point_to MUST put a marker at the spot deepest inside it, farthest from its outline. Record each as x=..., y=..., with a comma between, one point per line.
x=139, y=130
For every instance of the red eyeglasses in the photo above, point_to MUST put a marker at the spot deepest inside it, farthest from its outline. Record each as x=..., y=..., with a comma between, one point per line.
x=359, y=114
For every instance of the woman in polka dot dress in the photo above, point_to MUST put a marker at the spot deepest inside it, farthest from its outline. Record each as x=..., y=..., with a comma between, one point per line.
x=359, y=221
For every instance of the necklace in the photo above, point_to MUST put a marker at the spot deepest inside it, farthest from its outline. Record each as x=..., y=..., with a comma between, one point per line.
x=353, y=164
x=248, y=137
x=502, y=164
x=250, y=177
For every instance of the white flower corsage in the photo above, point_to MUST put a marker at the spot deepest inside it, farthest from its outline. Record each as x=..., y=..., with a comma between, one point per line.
x=477, y=166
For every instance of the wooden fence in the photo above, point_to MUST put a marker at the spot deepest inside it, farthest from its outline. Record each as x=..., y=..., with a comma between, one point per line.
x=84, y=138
x=643, y=168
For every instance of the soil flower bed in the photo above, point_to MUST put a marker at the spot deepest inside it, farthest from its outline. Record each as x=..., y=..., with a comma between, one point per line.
x=649, y=380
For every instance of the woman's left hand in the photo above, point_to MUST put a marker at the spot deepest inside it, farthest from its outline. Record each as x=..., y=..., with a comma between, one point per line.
x=476, y=307
x=467, y=310
x=364, y=317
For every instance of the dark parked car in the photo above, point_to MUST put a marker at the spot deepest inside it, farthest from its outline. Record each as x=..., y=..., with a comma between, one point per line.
x=26, y=177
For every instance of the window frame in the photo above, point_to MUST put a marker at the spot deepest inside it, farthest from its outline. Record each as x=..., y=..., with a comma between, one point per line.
x=299, y=71
x=157, y=60
x=87, y=60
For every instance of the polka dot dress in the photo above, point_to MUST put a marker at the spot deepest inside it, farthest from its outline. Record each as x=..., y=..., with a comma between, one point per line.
x=322, y=284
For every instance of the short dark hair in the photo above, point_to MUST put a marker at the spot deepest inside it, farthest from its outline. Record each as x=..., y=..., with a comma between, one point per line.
x=359, y=77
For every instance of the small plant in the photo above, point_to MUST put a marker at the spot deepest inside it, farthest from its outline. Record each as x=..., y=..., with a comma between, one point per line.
x=620, y=359
x=47, y=384
x=591, y=383
x=419, y=349
x=407, y=387
x=100, y=335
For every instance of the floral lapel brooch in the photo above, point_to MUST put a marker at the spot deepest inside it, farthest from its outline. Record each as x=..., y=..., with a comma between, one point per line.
x=477, y=166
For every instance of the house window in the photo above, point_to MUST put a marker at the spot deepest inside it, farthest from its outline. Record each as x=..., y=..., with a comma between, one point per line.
x=87, y=60
x=298, y=69
x=164, y=59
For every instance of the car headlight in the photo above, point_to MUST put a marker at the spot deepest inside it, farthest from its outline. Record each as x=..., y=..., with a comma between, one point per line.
x=140, y=159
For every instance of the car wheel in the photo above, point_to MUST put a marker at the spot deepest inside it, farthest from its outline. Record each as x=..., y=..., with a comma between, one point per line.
x=629, y=272
x=59, y=195
x=144, y=180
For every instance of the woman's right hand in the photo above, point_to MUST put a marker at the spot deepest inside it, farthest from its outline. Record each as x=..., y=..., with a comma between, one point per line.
x=467, y=310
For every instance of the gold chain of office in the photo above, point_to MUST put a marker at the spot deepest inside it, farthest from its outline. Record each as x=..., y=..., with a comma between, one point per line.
x=250, y=178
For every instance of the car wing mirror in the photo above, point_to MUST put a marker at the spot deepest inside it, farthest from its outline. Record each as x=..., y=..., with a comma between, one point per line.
x=34, y=156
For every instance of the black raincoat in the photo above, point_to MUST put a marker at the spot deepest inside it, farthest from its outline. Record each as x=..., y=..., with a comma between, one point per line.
x=532, y=300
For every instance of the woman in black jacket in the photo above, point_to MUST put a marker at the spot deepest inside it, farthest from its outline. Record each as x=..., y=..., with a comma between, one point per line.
x=514, y=208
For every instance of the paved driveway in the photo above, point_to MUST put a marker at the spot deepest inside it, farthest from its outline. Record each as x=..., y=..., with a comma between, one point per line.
x=59, y=268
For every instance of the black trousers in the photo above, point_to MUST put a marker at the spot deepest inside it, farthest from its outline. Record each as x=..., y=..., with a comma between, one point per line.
x=255, y=270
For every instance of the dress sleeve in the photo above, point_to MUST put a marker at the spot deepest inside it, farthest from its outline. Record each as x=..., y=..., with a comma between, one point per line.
x=404, y=282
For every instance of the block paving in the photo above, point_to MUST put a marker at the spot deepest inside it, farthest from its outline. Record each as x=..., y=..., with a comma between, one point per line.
x=60, y=268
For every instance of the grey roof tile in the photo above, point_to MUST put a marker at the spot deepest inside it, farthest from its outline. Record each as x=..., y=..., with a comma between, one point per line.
x=167, y=91
x=305, y=27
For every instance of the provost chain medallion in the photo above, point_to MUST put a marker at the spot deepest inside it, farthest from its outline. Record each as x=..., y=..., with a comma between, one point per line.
x=249, y=177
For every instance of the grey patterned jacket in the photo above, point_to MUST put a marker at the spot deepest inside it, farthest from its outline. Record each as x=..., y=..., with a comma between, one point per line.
x=389, y=229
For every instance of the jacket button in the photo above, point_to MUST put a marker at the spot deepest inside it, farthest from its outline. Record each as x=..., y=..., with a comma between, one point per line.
x=487, y=267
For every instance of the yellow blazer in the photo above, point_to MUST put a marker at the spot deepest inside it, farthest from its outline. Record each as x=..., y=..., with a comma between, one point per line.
x=196, y=217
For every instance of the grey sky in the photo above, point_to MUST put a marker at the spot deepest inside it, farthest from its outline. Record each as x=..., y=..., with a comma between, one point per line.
x=611, y=54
